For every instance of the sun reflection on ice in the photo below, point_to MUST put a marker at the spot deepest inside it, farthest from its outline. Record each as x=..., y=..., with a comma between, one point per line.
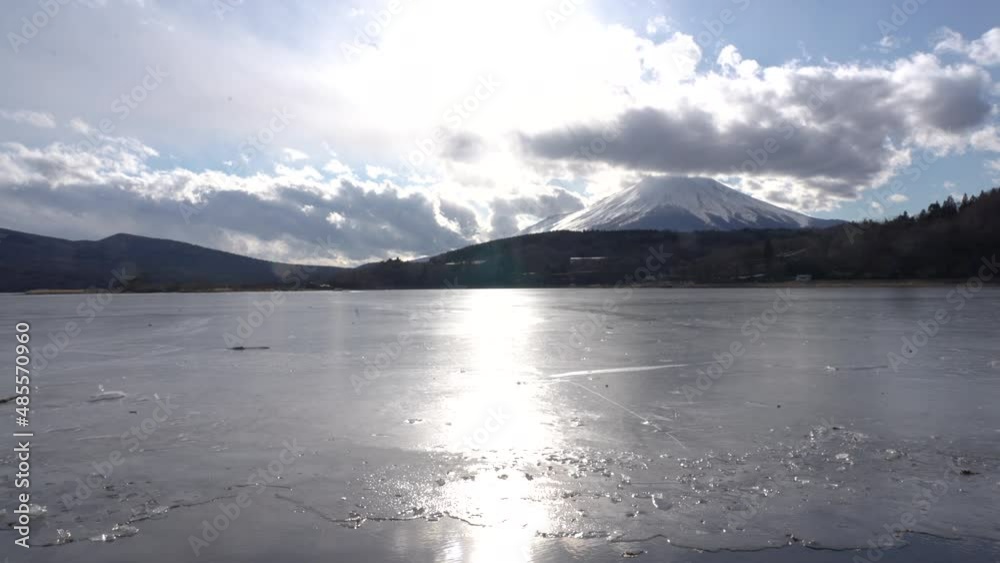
x=493, y=405
x=501, y=419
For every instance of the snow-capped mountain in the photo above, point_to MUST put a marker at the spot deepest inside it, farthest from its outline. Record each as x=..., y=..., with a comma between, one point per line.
x=679, y=204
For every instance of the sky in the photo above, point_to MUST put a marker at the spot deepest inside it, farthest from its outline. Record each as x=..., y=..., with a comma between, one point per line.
x=346, y=132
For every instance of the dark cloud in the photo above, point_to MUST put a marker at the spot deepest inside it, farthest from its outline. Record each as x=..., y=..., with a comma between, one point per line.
x=834, y=131
x=463, y=147
x=295, y=215
x=505, y=212
x=691, y=142
x=375, y=225
x=464, y=217
x=956, y=105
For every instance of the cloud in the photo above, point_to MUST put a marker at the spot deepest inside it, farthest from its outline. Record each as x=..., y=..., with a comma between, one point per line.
x=832, y=129
x=592, y=106
x=80, y=126
x=294, y=155
x=986, y=139
x=375, y=172
x=888, y=44
x=463, y=218
x=367, y=225
x=34, y=118
x=733, y=63
x=465, y=147
x=94, y=192
x=507, y=214
x=656, y=24
x=337, y=167
x=293, y=214
x=984, y=51
x=993, y=168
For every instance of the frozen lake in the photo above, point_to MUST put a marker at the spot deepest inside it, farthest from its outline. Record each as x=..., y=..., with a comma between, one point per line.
x=512, y=425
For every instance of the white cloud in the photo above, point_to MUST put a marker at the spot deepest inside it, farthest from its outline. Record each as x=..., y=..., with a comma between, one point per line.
x=34, y=118
x=889, y=43
x=898, y=198
x=92, y=191
x=993, y=167
x=97, y=191
x=984, y=51
x=477, y=180
x=294, y=155
x=375, y=172
x=336, y=167
x=824, y=132
x=80, y=126
x=986, y=139
x=733, y=63
x=657, y=24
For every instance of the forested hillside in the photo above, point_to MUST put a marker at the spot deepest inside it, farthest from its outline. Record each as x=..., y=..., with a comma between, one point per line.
x=947, y=240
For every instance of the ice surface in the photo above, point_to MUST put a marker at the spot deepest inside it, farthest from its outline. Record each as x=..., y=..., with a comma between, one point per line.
x=502, y=414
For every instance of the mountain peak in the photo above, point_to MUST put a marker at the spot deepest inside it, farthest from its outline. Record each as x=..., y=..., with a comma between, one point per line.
x=680, y=203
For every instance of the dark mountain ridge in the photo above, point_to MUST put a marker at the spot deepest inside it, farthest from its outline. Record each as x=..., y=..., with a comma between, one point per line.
x=949, y=240
x=29, y=261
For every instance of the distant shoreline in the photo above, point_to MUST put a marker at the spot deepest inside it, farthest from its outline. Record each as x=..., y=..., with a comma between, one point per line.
x=815, y=284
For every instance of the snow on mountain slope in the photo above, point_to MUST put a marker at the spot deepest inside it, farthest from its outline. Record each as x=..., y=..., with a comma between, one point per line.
x=679, y=204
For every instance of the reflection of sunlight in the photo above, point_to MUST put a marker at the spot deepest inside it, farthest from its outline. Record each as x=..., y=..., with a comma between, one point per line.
x=501, y=418
x=493, y=408
x=514, y=511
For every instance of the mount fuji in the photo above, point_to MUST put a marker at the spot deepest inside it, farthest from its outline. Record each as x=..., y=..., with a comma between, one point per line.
x=679, y=204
